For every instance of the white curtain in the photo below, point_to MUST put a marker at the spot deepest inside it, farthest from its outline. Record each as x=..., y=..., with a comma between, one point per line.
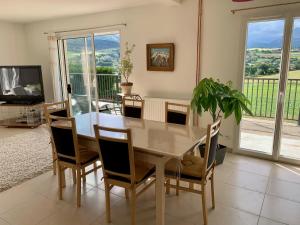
x=55, y=69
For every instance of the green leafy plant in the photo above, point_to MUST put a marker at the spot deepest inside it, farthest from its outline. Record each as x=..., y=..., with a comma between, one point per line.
x=217, y=98
x=126, y=66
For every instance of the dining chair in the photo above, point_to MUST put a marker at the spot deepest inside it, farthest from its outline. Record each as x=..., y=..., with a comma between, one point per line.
x=177, y=113
x=69, y=153
x=56, y=109
x=120, y=167
x=194, y=169
x=133, y=108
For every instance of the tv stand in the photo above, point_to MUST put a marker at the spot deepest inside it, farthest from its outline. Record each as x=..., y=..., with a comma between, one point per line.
x=21, y=115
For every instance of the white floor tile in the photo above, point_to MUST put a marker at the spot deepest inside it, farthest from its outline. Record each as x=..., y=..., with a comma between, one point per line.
x=31, y=212
x=284, y=189
x=281, y=210
x=239, y=198
x=248, y=180
x=265, y=221
x=286, y=173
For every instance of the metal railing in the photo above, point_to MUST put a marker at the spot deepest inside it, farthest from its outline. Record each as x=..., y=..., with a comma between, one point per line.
x=263, y=94
x=108, y=85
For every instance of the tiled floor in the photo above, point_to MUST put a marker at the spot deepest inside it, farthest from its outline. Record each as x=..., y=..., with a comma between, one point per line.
x=248, y=192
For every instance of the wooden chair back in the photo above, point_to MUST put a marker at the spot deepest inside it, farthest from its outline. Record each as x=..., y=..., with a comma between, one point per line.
x=64, y=136
x=60, y=109
x=211, y=146
x=177, y=113
x=116, y=153
x=133, y=108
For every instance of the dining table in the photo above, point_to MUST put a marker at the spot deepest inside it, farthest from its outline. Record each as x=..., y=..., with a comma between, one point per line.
x=154, y=142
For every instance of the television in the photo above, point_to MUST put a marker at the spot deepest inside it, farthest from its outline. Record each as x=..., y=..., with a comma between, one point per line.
x=21, y=84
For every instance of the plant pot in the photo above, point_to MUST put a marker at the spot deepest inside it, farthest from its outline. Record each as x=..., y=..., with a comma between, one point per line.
x=220, y=156
x=126, y=88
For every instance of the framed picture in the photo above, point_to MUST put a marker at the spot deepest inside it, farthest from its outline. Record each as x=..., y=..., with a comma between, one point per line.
x=160, y=57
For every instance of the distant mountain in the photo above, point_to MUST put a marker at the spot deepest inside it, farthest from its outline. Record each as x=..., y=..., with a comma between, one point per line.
x=272, y=40
x=101, y=42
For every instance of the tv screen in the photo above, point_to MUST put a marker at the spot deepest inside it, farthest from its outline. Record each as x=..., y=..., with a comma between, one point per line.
x=21, y=84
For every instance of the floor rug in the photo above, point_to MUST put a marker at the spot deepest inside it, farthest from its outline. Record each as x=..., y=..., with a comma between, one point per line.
x=24, y=156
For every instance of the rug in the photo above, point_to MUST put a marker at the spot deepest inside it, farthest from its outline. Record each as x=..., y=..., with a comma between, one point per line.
x=24, y=156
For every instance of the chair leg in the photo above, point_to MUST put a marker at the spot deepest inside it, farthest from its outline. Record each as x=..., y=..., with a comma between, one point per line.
x=60, y=170
x=107, y=199
x=126, y=194
x=54, y=162
x=177, y=186
x=168, y=182
x=133, y=206
x=78, y=187
x=95, y=167
x=212, y=191
x=83, y=174
x=204, y=209
x=74, y=175
x=63, y=176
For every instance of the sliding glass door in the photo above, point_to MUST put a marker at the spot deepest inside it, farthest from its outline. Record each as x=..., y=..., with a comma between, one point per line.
x=90, y=62
x=290, y=135
x=272, y=84
x=79, y=66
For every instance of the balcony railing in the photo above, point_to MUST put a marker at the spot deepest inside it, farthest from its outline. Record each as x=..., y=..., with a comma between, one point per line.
x=108, y=85
x=263, y=94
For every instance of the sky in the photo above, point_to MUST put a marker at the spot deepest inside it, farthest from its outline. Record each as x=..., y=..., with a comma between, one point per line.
x=269, y=33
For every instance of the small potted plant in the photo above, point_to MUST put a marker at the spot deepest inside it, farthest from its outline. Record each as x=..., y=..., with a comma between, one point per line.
x=125, y=69
x=219, y=99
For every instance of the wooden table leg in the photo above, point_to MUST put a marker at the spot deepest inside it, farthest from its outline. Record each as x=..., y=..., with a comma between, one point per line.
x=160, y=192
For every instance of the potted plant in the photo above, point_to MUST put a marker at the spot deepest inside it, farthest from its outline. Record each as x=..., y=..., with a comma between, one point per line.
x=125, y=69
x=219, y=99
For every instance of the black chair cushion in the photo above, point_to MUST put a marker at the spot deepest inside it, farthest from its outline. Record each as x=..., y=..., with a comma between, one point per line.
x=63, y=140
x=115, y=156
x=213, y=150
x=177, y=118
x=61, y=113
x=134, y=112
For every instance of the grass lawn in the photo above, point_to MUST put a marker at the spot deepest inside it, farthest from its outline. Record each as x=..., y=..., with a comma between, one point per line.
x=263, y=95
x=291, y=75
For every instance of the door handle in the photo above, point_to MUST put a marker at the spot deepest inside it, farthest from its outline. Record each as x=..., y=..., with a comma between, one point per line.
x=69, y=89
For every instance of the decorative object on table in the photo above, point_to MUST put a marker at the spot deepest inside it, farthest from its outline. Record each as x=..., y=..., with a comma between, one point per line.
x=160, y=57
x=125, y=69
x=217, y=98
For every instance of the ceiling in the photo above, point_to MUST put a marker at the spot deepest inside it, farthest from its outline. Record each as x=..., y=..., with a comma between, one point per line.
x=26, y=11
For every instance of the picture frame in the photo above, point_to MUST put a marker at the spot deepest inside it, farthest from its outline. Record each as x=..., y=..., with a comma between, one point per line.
x=160, y=57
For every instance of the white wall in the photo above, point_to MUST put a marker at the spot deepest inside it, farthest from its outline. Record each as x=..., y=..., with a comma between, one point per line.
x=148, y=24
x=13, y=50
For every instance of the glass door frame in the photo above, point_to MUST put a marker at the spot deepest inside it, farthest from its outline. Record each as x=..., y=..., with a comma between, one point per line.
x=284, y=70
x=63, y=59
x=91, y=68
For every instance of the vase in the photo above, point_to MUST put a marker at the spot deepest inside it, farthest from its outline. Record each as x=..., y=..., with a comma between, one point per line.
x=126, y=88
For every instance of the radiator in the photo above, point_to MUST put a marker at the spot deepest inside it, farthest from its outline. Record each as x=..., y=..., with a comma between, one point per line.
x=154, y=108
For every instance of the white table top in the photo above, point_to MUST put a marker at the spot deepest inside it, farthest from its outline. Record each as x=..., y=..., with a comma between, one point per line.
x=150, y=136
